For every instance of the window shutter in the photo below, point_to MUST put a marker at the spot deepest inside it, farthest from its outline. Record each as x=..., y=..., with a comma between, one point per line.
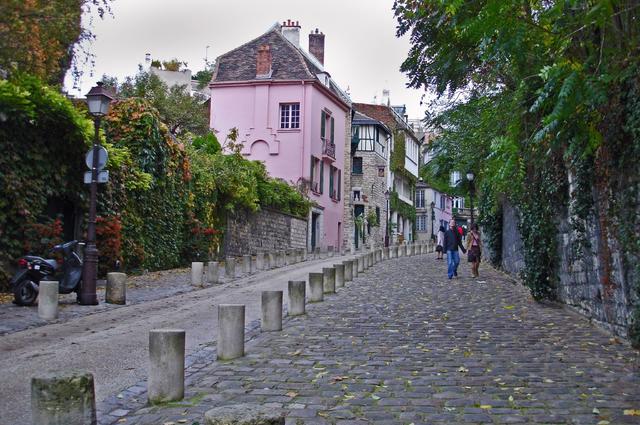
x=311, y=172
x=331, y=181
x=339, y=183
x=332, y=128
x=321, y=176
x=322, y=124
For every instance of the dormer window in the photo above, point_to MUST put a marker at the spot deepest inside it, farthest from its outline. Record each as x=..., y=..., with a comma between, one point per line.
x=324, y=78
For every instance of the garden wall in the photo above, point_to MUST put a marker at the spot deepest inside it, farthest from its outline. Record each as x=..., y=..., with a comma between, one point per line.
x=601, y=292
x=263, y=231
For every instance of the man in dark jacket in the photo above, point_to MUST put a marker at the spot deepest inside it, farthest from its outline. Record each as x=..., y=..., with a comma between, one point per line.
x=453, y=240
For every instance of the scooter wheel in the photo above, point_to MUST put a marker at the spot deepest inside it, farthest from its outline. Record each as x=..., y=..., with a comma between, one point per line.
x=24, y=294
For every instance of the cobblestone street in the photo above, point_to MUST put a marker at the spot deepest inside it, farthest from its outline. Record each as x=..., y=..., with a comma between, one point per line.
x=402, y=344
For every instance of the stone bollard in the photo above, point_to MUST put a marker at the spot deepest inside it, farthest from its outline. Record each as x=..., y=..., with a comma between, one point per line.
x=348, y=270
x=360, y=264
x=48, y=300
x=197, y=270
x=329, y=280
x=244, y=414
x=212, y=272
x=385, y=253
x=271, y=260
x=297, y=293
x=230, y=343
x=281, y=258
x=230, y=267
x=246, y=264
x=166, y=365
x=260, y=261
x=66, y=398
x=271, y=311
x=354, y=267
x=116, y=292
x=339, y=275
x=316, y=286
x=239, y=267
x=253, y=265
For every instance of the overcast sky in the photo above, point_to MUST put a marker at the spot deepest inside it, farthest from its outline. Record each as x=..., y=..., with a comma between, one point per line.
x=361, y=50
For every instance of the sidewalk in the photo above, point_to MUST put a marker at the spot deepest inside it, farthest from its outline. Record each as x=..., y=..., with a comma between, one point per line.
x=402, y=344
x=112, y=343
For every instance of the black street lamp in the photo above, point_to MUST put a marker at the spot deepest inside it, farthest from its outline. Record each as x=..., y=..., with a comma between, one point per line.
x=98, y=100
x=433, y=218
x=472, y=190
x=386, y=232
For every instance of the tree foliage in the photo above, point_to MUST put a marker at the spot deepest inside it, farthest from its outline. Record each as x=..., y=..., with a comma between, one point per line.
x=44, y=38
x=178, y=108
x=531, y=95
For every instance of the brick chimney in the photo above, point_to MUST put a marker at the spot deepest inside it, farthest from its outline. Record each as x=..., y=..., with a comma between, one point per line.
x=263, y=61
x=291, y=30
x=316, y=45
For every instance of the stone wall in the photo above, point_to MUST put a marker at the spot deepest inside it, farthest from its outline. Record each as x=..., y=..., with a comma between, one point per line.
x=512, y=249
x=603, y=294
x=347, y=215
x=248, y=233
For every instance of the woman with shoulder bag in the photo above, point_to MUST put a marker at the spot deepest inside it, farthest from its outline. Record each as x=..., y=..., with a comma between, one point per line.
x=474, y=248
x=440, y=242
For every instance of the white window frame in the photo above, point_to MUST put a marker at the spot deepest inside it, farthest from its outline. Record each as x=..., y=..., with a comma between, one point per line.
x=290, y=116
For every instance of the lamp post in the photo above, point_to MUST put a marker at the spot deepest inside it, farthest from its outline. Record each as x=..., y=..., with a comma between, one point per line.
x=472, y=189
x=433, y=218
x=98, y=100
x=386, y=231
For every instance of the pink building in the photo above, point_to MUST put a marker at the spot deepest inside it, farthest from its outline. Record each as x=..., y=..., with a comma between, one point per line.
x=290, y=115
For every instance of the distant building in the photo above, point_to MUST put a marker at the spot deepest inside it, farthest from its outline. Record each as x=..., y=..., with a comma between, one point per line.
x=369, y=180
x=404, y=153
x=291, y=115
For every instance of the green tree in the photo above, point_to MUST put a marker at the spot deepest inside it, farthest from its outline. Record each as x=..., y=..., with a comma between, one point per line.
x=178, y=109
x=531, y=93
x=44, y=38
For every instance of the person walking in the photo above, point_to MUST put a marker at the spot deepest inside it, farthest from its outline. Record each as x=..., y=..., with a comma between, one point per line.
x=474, y=246
x=453, y=240
x=440, y=242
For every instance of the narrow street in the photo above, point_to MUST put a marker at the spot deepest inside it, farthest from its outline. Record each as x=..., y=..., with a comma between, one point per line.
x=112, y=344
x=402, y=344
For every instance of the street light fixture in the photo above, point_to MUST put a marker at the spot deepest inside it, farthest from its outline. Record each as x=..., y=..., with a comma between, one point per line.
x=386, y=232
x=98, y=100
x=433, y=218
x=472, y=189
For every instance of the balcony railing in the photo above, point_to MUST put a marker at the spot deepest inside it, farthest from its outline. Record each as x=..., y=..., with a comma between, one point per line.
x=328, y=149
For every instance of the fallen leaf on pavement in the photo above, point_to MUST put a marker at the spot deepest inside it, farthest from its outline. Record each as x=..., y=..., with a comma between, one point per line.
x=632, y=412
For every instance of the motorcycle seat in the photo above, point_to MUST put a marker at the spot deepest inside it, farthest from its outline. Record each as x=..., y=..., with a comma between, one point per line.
x=52, y=263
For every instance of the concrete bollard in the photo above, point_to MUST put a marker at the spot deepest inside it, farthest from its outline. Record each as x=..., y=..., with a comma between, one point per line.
x=339, y=275
x=230, y=343
x=244, y=414
x=316, y=286
x=48, y=300
x=116, y=292
x=230, y=267
x=271, y=261
x=281, y=259
x=253, y=265
x=385, y=253
x=246, y=264
x=329, y=280
x=260, y=261
x=354, y=267
x=66, y=398
x=271, y=311
x=212, y=272
x=360, y=260
x=239, y=267
x=297, y=295
x=348, y=271
x=197, y=270
x=166, y=365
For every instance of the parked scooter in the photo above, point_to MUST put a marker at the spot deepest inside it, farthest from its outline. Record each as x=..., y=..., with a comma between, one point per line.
x=25, y=283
